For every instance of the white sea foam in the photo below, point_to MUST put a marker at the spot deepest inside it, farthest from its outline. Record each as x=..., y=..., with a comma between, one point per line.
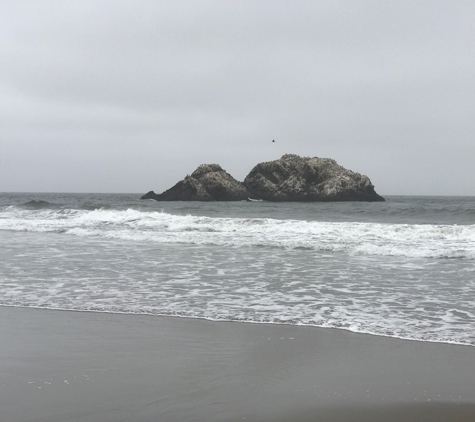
x=405, y=240
x=405, y=280
x=417, y=298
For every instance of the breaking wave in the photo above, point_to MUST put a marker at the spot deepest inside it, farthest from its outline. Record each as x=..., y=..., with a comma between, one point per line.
x=383, y=239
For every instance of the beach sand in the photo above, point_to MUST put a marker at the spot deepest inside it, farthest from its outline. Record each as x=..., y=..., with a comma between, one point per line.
x=60, y=366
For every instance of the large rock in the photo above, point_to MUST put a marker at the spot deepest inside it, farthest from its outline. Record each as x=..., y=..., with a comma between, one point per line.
x=209, y=182
x=291, y=178
x=294, y=178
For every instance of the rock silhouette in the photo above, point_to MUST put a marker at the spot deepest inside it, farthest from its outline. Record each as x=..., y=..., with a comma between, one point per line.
x=294, y=178
x=290, y=178
x=209, y=182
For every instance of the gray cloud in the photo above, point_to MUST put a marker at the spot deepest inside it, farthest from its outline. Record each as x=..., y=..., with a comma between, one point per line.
x=130, y=96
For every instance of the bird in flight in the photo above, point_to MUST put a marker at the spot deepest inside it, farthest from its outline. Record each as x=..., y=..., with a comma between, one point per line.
x=273, y=140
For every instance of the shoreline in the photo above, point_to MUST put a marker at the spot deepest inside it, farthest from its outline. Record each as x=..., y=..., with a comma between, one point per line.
x=92, y=366
x=145, y=314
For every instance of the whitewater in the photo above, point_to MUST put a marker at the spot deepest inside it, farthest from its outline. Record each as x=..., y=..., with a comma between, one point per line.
x=404, y=268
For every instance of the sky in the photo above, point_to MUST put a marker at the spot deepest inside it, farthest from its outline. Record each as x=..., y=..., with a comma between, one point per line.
x=131, y=96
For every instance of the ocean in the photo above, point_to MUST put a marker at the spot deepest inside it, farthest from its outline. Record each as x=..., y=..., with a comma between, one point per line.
x=402, y=268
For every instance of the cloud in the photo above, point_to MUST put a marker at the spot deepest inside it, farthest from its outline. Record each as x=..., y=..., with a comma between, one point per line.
x=136, y=94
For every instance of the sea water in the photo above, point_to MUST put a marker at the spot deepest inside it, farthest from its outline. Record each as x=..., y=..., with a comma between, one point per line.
x=402, y=268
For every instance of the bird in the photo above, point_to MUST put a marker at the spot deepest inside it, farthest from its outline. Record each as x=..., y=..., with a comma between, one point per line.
x=273, y=140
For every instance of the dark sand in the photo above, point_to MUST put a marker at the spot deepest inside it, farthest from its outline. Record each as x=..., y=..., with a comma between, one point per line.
x=60, y=366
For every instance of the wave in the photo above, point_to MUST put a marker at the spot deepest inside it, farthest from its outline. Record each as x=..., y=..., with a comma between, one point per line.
x=38, y=205
x=408, y=240
x=354, y=328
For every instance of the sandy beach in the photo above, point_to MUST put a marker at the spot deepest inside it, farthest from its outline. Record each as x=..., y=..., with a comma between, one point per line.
x=59, y=366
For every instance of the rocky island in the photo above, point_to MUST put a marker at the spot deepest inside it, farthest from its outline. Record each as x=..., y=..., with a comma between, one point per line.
x=290, y=178
x=209, y=182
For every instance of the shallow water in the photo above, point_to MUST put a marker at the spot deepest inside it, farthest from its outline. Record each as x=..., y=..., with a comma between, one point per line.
x=402, y=268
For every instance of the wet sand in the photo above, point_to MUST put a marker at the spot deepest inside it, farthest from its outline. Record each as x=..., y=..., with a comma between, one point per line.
x=58, y=366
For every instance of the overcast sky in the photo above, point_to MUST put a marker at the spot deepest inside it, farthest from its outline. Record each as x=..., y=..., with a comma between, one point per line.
x=130, y=96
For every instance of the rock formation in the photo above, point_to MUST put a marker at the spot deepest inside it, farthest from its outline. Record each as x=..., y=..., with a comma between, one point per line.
x=209, y=182
x=294, y=178
x=290, y=178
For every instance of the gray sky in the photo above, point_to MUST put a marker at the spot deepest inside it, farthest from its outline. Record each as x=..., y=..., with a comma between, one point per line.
x=130, y=96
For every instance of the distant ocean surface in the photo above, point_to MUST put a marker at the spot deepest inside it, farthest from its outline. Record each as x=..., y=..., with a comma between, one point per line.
x=402, y=268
